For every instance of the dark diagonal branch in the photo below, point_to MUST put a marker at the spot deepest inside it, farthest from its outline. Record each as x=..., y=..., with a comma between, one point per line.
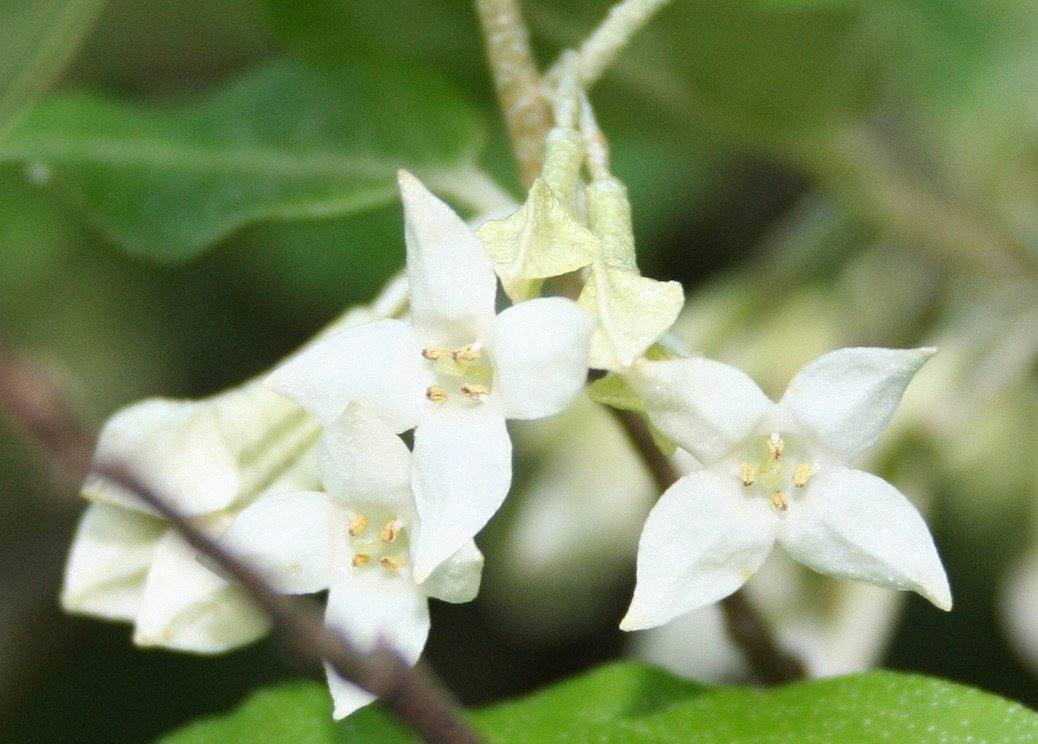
x=747, y=629
x=412, y=694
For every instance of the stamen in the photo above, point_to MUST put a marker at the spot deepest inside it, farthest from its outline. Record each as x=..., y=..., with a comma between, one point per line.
x=389, y=531
x=392, y=564
x=436, y=394
x=778, y=500
x=434, y=352
x=747, y=474
x=475, y=392
x=358, y=525
x=775, y=447
x=801, y=474
x=360, y=559
x=467, y=353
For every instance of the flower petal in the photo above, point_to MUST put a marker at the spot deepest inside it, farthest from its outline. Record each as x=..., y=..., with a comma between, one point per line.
x=457, y=578
x=371, y=608
x=451, y=277
x=189, y=608
x=857, y=526
x=288, y=537
x=540, y=356
x=377, y=364
x=462, y=472
x=361, y=459
x=847, y=397
x=701, y=542
x=703, y=405
x=109, y=560
x=177, y=448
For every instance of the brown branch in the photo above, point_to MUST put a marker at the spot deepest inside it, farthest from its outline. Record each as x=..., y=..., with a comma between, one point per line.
x=516, y=81
x=412, y=694
x=746, y=628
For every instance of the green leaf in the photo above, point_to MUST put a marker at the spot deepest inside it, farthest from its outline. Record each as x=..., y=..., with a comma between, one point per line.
x=282, y=142
x=630, y=703
x=38, y=37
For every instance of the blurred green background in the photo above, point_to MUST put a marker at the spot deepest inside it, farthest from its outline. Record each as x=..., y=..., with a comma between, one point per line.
x=182, y=207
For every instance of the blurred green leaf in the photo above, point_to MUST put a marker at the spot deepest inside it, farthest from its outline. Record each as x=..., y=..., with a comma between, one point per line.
x=37, y=39
x=282, y=142
x=629, y=703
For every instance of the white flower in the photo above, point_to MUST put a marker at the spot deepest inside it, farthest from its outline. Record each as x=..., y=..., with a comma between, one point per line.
x=454, y=374
x=355, y=541
x=210, y=458
x=778, y=472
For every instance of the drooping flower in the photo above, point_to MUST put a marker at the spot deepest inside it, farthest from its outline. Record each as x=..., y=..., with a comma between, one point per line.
x=778, y=472
x=209, y=458
x=355, y=540
x=454, y=373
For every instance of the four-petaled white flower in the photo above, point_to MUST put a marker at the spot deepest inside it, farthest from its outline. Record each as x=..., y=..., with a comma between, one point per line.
x=454, y=374
x=356, y=540
x=778, y=472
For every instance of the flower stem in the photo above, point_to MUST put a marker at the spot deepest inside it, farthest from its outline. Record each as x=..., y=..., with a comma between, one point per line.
x=746, y=628
x=601, y=47
x=517, y=82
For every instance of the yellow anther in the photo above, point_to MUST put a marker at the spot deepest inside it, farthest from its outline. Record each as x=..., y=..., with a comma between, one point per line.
x=778, y=500
x=775, y=447
x=801, y=474
x=474, y=391
x=436, y=394
x=467, y=353
x=432, y=353
x=360, y=559
x=392, y=564
x=747, y=474
x=358, y=525
x=389, y=531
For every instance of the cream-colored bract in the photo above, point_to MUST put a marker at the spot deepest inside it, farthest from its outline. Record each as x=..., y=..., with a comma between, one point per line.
x=778, y=472
x=455, y=371
x=355, y=541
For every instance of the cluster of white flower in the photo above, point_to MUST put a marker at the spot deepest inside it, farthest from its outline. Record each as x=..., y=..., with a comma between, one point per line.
x=330, y=497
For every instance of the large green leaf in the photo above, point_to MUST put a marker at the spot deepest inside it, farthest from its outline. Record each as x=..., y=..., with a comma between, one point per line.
x=282, y=142
x=629, y=703
x=37, y=38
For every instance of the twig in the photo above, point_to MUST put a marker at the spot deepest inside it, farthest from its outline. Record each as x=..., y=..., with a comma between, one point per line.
x=746, y=628
x=600, y=48
x=516, y=81
x=412, y=694
x=36, y=404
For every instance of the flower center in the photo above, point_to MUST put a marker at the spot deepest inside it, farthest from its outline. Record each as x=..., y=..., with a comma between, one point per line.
x=377, y=537
x=463, y=373
x=775, y=466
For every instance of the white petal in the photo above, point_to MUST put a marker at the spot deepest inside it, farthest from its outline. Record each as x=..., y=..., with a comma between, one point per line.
x=457, y=578
x=177, y=448
x=361, y=459
x=371, y=608
x=703, y=405
x=462, y=472
x=288, y=538
x=377, y=364
x=109, y=560
x=857, y=526
x=451, y=277
x=189, y=608
x=540, y=356
x=846, y=397
x=701, y=542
